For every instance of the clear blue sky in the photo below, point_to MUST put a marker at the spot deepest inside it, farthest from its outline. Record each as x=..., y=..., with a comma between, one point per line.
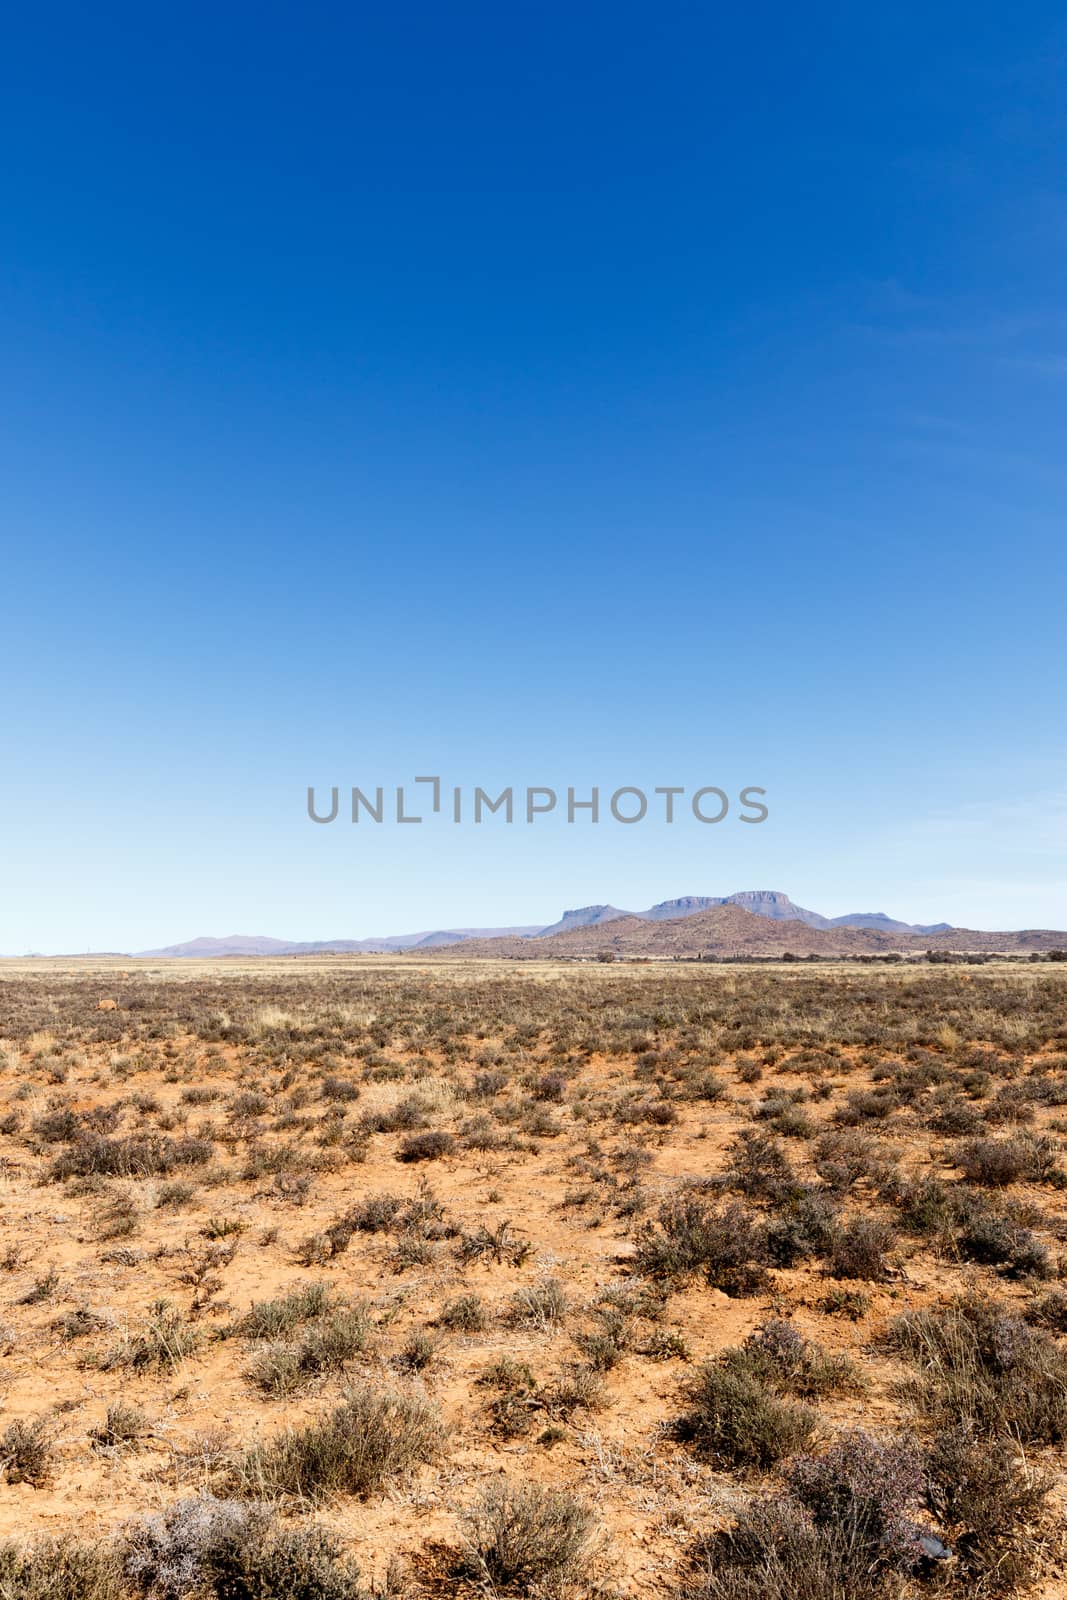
x=559, y=394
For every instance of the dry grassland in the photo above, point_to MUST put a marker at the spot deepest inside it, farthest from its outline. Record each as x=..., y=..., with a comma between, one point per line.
x=330, y=1278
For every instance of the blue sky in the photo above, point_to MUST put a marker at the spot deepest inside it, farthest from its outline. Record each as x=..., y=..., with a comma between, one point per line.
x=562, y=395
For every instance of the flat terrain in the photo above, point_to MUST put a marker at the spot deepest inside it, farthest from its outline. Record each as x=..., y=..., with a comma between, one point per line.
x=734, y=1258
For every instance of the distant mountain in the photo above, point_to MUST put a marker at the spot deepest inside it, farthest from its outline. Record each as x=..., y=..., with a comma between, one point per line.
x=427, y=941
x=769, y=903
x=584, y=917
x=728, y=930
x=415, y=941
x=777, y=907
x=239, y=944
x=235, y=944
x=766, y=906
x=686, y=906
x=878, y=919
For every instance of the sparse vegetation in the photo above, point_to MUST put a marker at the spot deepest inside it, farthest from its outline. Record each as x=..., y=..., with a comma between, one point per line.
x=299, y=1235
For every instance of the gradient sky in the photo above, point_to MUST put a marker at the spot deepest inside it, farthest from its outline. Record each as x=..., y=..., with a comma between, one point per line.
x=537, y=395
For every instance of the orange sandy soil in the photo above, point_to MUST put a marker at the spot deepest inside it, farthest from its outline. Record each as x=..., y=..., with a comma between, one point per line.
x=650, y=1494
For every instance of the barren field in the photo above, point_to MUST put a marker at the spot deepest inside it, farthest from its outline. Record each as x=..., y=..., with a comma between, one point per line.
x=330, y=1278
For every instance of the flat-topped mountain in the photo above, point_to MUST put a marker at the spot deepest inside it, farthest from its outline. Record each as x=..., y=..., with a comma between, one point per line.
x=778, y=907
x=584, y=917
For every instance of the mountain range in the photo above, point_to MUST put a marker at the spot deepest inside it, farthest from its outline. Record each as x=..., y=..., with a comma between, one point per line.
x=770, y=903
x=250, y=944
x=731, y=930
x=754, y=920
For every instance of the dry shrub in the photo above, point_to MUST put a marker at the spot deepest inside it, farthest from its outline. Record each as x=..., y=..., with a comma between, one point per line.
x=59, y=1569
x=223, y=1550
x=735, y=1420
x=777, y=1354
x=1050, y=1311
x=428, y=1146
x=869, y=1488
x=859, y=1248
x=843, y=1157
x=982, y=1365
x=325, y=1346
x=497, y=1244
x=997, y=1162
x=274, y=1319
x=26, y=1452
x=123, y=1424
x=163, y=1343
x=802, y=1227
x=927, y=1208
x=842, y=1530
x=993, y=1239
x=139, y=1156
x=521, y=1536
x=759, y=1167
x=984, y=1493
x=467, y=1313
x=776, y=1552
x=579, y=1387
x=373, y=1437
x=538, y=1305
x=726, y=1242
x=339, y=1089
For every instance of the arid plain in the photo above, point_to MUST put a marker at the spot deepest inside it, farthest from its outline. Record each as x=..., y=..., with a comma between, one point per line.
x=338, y=1276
